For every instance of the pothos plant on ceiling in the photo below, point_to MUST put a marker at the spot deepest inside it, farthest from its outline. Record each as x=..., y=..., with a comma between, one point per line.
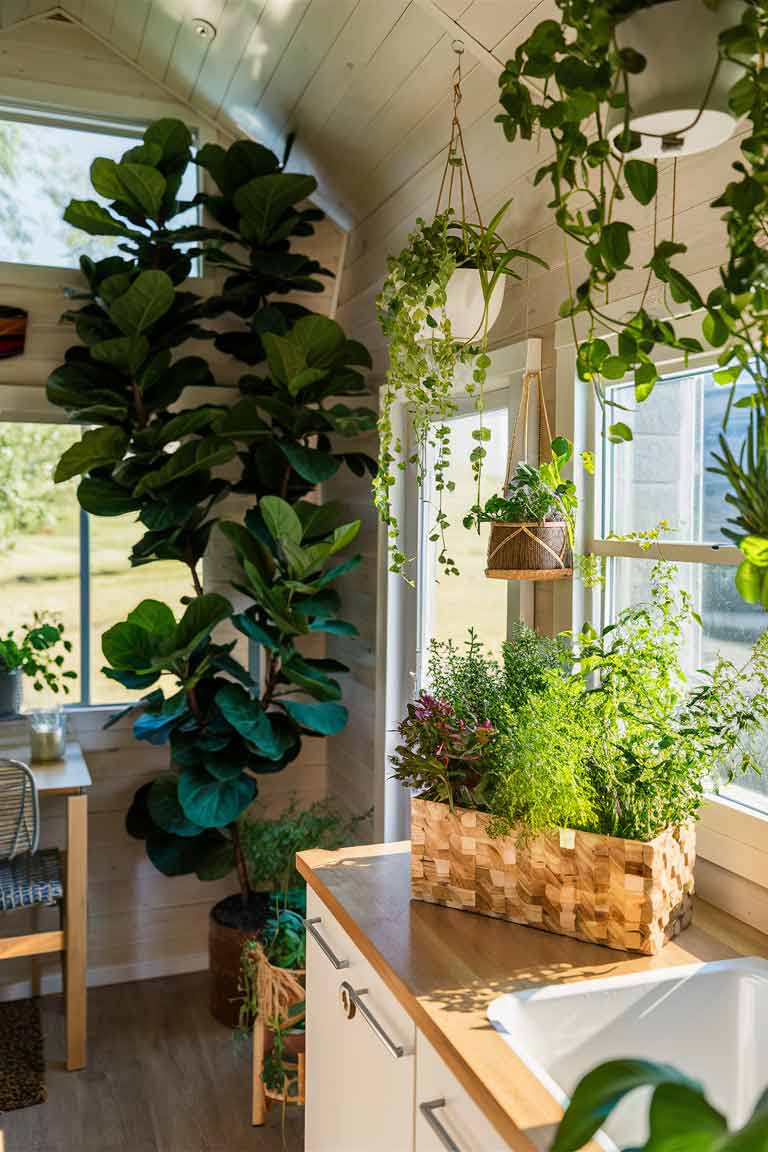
x=441, y=296
x=586, y=82
x=148, y=451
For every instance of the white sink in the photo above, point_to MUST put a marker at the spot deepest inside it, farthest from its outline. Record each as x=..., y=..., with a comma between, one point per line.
x=709, y=1020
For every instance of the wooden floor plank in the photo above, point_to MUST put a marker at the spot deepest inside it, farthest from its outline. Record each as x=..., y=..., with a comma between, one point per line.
x=162, y=1076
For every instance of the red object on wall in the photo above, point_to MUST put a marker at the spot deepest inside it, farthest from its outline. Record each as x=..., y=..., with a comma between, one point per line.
x=13, y=331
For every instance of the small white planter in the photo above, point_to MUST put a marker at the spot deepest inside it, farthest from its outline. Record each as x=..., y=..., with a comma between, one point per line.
x=679, y=42
x=465, y=307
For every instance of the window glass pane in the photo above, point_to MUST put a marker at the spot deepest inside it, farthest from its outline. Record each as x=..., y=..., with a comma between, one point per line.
x=116, y=589
x=450, y=604
x=662, y=474
x=730, y=627
x=39, y=539
x=42, y=167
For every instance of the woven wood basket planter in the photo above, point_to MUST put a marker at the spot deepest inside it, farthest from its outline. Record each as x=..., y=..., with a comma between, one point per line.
x=529, y=552
x=621, y=893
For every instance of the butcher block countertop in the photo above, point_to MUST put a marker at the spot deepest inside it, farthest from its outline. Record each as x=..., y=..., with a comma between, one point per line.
x=445, y=967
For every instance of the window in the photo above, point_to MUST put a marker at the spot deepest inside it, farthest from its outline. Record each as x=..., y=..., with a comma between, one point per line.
x=663, y=474
x=56, y=558
x=45, y=161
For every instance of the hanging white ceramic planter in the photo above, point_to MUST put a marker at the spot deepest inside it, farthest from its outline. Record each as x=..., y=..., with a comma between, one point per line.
x=679, y=42
x=465, y=306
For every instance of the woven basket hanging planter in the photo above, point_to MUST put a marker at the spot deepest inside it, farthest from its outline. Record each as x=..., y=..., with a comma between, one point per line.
x=625, y=894
x=529, y=550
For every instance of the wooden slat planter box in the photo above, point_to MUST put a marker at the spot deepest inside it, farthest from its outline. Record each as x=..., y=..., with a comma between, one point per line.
x=622, y=893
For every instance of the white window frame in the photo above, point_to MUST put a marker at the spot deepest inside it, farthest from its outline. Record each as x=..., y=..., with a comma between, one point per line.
x=732, y=837
x=399, y=612
x=87, y=111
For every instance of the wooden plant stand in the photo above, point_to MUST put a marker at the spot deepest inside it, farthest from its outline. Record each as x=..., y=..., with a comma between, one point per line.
x=278, y=990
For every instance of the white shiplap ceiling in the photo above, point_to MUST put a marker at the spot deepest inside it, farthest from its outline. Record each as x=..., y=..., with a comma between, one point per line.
x=363, y=84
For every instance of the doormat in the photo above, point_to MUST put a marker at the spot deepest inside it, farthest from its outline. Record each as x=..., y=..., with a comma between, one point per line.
x=22, y=1063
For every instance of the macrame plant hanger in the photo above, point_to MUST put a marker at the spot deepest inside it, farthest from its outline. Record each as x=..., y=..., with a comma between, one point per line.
x=456, y=160
x=528, y=550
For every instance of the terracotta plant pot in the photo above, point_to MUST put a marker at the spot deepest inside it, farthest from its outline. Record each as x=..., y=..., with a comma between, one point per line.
x=464, y=306
x=625, y=894
x=529, y=551
x=666, y=96
x=230, y=925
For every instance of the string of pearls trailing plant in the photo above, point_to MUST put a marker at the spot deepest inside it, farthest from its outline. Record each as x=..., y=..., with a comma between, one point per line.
x=579, y=82
x=441, y=296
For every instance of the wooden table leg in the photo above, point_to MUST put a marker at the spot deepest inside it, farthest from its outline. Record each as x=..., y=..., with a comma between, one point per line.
x=258, y=1099
x=75, y=928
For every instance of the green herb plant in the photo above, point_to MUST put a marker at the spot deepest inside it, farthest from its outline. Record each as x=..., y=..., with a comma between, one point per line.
x=631, y=744
x=270, y=845
x=585, y=78
x=39, y=652
x=535, y=494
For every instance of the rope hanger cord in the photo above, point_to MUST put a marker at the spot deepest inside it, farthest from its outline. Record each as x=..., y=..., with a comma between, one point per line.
x=521, y=421
x=456, y=160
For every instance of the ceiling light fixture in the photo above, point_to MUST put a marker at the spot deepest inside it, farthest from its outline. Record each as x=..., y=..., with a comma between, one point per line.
x=204, y=28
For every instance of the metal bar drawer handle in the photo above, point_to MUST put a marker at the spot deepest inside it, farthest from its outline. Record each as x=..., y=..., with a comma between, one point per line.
x=352, y=1002
x=428, y=1112
x=324, y=947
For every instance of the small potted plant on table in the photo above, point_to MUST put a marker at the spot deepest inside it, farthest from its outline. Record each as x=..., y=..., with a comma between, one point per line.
x=39, y=653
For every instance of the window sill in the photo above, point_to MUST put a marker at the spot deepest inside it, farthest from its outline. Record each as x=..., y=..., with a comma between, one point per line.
x=734, y=838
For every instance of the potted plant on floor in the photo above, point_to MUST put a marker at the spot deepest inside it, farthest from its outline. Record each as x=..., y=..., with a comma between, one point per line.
x=532, y=521
x=610, y=102
x=39, y=652
x=597, y=768
x=146, y=452
x=441, y=297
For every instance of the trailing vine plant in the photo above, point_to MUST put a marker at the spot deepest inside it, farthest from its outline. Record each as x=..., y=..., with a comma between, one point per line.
x=585, y=76
x=148, y=451
x=425, y=355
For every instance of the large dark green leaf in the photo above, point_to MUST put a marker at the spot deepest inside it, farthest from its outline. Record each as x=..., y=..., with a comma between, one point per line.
x=94, y=219
x=143, y=187
x=165, y=810
x=156, y=724
x=104, y=178
x=154, y=617
x=263, y=201
x=98, y=446
x=194, y=456
x=325, y=719
x=614, y=244
x=320, y=338
x=311, y=678
x=105, y=498
x=682, y=1119
x=200, y=618
x=595, y=1097
x=247, y=717
x=213, y=803
x=170, y=136
x=281, y=520
x=149, y=297
x=310, y=463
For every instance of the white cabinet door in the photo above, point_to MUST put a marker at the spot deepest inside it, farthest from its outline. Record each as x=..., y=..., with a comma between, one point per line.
x=360, y=1071
x=447, y=1119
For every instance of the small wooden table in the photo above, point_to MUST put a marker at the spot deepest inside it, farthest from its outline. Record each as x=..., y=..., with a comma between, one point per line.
x=70, y=778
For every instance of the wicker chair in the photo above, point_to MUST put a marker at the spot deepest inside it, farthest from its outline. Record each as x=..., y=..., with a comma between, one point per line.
x=29, y=877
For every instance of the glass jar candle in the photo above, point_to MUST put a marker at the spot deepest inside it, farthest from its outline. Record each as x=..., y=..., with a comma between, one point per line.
x=47, y=734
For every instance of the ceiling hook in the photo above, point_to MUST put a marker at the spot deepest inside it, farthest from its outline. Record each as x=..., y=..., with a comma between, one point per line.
x=458, y=46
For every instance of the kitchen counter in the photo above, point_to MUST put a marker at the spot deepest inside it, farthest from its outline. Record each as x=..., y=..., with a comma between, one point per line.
x=445, y=967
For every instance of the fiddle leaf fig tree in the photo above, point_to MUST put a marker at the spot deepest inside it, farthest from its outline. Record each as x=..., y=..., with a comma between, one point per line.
x=586, y=78
x=145, y=452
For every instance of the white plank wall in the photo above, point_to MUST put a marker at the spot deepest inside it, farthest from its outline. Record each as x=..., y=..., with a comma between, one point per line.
x=385, y=194
x=141, y=923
